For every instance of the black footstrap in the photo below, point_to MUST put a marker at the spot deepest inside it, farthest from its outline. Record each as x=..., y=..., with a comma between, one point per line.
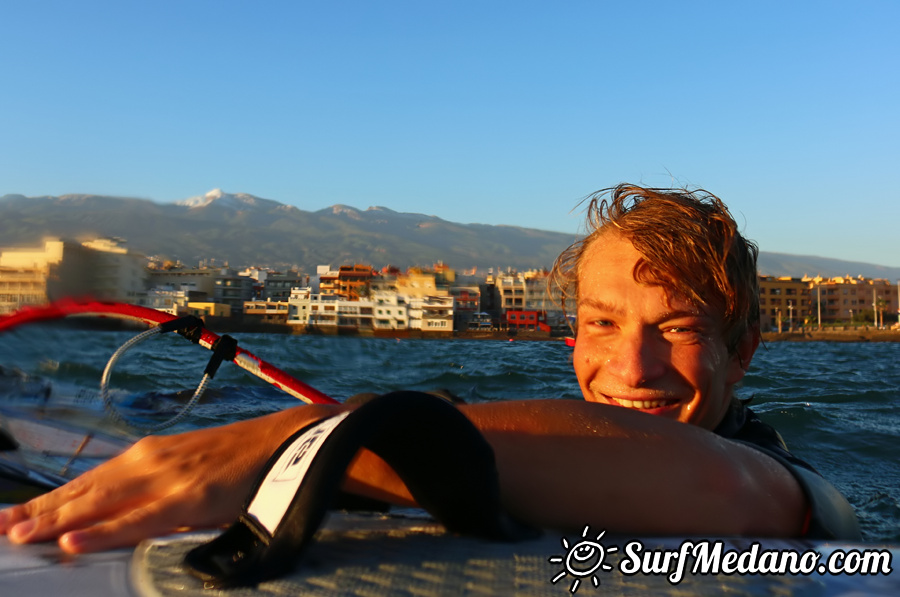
x=441, y=456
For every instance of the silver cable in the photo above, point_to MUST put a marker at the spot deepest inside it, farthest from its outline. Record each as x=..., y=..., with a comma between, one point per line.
x=119, y=417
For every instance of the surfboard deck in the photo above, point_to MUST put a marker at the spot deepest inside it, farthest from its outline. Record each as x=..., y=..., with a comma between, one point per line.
x=378, y=554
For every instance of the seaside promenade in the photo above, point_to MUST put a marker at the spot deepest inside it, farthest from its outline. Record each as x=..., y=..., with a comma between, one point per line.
x=847, y=334
x=809, y=334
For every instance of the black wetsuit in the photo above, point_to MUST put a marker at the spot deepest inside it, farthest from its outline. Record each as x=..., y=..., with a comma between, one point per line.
x=830, y=515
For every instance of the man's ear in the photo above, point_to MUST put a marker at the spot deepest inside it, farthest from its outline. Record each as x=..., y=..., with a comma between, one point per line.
x=743, y=354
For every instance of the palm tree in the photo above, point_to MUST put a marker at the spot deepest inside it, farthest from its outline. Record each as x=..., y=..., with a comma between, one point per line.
x=880, y=305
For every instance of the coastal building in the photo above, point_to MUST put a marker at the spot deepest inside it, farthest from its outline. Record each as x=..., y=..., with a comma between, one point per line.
x=299, y=308
x=102, y=269
x=277, y=286
x=481, y=322
x=232, y=289
x=537, y=297
x=526, y=303
x=166, y=299
x=266, y=312
x=391, y=310
x=350, y=282
x=273, y=286
x=511, y=288
x=117, y=274
x=387, y=311
x=433, y=314
x=854, y=301
x=21, y=287
x=36, y=276
x=466, y=304
x=784, y=303
x=330, y=314
x=259, y=277
x=527, y=320
x=197, y=280
x=206, y=310
x=420, y=283
x=490, y=299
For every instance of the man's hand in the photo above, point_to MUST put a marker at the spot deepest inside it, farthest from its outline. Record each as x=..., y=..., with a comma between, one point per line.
x=160, y=485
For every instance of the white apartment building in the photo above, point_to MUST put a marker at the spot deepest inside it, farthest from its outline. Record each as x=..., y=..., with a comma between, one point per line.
x=391, y=311
x=328, y=312
x=431, y=313
x=166, y=299
x=198, y=280
x=386, y=311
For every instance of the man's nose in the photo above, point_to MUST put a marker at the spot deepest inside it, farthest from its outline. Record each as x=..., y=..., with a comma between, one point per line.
x=639, y=357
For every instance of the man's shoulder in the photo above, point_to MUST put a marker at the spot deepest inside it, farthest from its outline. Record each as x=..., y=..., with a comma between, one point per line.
x=742, y=424
x=829, y=516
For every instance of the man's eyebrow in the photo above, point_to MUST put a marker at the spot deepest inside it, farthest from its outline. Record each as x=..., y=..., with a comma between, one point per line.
x=600, y=305
x=698, y=316
x=606, y=307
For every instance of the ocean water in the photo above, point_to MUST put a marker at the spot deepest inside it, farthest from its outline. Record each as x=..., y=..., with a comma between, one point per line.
x=836, y=404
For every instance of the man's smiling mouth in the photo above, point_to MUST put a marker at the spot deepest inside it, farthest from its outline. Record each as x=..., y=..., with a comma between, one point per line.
x=642, y=404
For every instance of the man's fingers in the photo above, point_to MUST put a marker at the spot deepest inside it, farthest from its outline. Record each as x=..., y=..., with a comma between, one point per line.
x=39, y=506
x=69, y=508
x=152, y=520
x=61, y=496
x=10, y=517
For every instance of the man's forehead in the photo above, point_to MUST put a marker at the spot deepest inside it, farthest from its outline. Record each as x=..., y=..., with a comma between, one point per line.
x=613, y=253
x=672, y=305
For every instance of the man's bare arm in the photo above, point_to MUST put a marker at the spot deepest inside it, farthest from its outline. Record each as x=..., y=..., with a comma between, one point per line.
x=564, y=464
x=561, y=463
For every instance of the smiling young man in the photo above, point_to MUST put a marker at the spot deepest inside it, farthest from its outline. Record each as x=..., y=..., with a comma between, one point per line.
x=666, y=293
x=666, y=290
x=668, y=311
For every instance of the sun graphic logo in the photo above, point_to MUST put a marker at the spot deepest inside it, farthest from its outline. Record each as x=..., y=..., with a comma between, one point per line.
x=582, y=560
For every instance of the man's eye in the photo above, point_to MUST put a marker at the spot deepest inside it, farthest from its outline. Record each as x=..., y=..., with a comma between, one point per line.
x=684, y=332
x=602, y=323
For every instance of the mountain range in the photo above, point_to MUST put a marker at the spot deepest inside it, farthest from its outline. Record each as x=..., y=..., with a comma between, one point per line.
x=244, y=230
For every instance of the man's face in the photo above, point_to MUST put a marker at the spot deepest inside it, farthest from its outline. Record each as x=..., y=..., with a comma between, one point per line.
x=640, y=348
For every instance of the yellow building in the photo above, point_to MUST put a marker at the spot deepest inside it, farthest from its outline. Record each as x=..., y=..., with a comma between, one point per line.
x=419, y=284
x=784, y=303
x=855, y=301
x=36, y=276
x=211, y=309
x=266, y=311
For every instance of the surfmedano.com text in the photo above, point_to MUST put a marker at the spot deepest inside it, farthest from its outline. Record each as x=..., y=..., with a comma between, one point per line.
x=711, y=557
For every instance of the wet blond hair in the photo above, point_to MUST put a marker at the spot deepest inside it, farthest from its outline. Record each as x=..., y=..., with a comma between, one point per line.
x=689, y=244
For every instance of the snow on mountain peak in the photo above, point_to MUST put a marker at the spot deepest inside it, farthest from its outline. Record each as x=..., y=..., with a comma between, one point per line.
x=346, y=210
x=221, y=199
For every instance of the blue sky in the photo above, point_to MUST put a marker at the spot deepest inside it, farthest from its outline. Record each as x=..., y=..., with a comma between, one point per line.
x=488, y=112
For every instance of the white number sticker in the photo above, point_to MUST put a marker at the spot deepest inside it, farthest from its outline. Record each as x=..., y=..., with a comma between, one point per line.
x=283, y=480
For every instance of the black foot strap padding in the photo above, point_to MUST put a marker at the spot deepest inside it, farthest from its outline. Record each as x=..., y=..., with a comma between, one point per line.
x=441, y=456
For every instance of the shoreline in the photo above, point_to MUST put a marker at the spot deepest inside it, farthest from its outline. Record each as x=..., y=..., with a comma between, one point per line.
x=862, y=334
x=225, y=326
x=857, y=334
